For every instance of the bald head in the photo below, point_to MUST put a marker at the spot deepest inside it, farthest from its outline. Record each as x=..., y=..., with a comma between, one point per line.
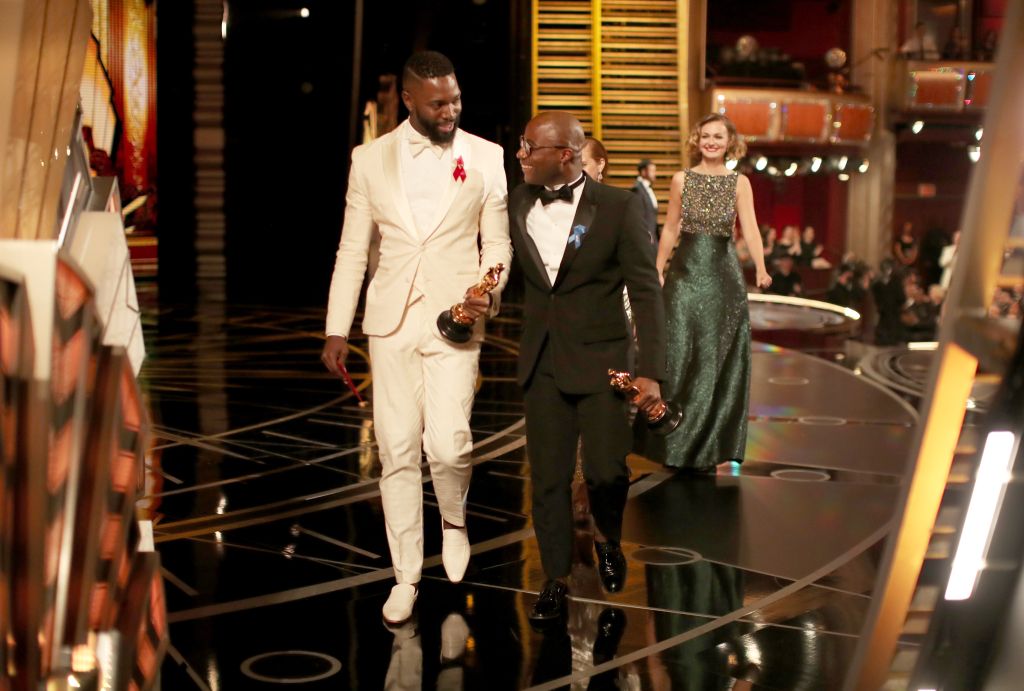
x=554, y=141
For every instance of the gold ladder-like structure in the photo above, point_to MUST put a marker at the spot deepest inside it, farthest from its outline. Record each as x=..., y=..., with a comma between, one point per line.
x=629, y=70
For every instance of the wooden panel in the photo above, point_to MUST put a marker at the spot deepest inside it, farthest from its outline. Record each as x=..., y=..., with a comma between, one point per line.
x=805, y=120
x=753, y=119
x=852, y=123
x=939, y=89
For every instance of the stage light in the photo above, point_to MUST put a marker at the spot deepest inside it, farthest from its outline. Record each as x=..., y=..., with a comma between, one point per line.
x=304, y=13
x=761, y=163
x=974, y=153
x=978, y=133
x=731, y=164
x=986, y=497
x=224, y=22
x=791, y=169
x=844, y=176
x=843, y=160
x=815, y=164
x=863, y=167
x=772, y=170
x=917, y=126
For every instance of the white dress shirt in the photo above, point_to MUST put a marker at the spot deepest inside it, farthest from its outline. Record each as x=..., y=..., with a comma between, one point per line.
x=549, y=226
x=425, y=178
x=650, y=191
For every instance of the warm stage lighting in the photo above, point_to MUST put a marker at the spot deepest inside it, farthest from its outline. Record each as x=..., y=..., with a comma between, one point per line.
x=978, y=133
x=974, y=153
x=986, y=497
x=843, y=160
x=791, y=169
x=304, y=13
x=917, y=126
x=761, y=163
x=731, y=164
x=844, y=176
x=863, y=167
x=815, y=164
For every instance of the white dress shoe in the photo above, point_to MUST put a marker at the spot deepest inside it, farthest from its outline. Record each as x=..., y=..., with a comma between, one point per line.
x=398, y=609
x=455, y=552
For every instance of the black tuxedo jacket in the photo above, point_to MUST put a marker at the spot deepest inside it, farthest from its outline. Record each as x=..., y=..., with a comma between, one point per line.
x=582, y=313
x=650, y=210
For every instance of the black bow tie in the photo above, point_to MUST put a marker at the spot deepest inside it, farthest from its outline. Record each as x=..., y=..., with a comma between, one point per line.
x=563, y=193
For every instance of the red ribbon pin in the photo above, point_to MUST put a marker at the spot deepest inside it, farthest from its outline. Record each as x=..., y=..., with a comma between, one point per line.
x=460, y=170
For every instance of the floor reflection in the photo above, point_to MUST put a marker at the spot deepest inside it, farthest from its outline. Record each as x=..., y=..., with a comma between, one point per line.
x=262, y=484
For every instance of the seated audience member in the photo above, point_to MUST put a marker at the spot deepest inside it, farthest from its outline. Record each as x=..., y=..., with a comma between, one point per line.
x=847, y=290
x=789, y=243
x=920, y=46
x=785, y=279
x=812, y=251
x=956, y=46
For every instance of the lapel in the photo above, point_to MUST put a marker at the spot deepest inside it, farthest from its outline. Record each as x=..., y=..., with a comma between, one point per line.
x=391, y=153
x=523, y=206
x=460, y=147
x=585, y=214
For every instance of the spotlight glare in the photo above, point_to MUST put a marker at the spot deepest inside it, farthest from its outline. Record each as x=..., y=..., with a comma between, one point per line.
x=917, y=126
x=986, y=497
x=843, y=160
x=791, y=169
x=844, y=176
x=815, y=164
x=772, y=170
x=761, y=163
x=304, y=13
x=974, y=153
x=978, y=133
x=731, y=164
x=863, y=167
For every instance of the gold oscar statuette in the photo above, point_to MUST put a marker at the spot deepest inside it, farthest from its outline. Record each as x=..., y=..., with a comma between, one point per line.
x=455, y=324
x=662, y=418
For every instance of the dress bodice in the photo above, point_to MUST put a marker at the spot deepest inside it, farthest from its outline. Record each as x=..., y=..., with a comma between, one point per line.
x=709, y=204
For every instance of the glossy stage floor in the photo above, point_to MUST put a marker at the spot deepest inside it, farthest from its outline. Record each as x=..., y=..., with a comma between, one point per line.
x=268, y=519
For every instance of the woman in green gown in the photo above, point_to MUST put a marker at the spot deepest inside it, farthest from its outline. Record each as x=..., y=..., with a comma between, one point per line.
x=707, y=322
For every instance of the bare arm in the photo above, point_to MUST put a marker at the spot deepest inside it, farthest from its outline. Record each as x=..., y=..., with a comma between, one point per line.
x=748, y=226
x=670, y=232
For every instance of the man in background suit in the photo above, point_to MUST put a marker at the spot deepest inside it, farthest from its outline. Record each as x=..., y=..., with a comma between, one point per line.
x=579, y=242
x=647, y=173
x=437, y=195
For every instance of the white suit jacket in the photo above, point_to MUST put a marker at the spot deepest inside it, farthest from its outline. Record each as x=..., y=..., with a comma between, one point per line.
x=471, y=236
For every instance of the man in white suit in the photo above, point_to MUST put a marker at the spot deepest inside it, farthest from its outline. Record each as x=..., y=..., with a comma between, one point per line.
x=437, y=195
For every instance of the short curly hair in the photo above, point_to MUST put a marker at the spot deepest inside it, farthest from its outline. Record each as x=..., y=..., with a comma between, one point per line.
x=426, y=64
x=736, y=148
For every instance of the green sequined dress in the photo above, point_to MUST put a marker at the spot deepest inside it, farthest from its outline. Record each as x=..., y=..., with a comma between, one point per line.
x=707, y=325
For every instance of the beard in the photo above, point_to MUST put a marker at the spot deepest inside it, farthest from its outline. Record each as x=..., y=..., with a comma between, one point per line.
x=434, y=132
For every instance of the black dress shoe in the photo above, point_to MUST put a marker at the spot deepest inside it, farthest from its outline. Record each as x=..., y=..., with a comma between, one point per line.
x=551, y=604
x=611, y=566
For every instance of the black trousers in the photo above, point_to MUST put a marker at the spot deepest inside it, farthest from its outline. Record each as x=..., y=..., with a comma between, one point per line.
x=555, y=421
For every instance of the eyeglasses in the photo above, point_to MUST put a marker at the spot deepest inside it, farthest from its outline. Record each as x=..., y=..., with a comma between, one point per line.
x=528, y=148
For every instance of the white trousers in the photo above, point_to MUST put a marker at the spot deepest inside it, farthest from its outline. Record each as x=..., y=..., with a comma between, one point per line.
x=423, y=389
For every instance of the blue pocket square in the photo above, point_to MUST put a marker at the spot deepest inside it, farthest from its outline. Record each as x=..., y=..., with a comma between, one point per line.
x=576, y=236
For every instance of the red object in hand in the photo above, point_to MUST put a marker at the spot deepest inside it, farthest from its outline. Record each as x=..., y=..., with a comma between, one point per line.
x=460, y=170
x=351, y=385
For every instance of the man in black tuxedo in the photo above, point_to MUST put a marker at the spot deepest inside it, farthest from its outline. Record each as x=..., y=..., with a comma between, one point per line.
x=646, y=174
x=578, y=243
